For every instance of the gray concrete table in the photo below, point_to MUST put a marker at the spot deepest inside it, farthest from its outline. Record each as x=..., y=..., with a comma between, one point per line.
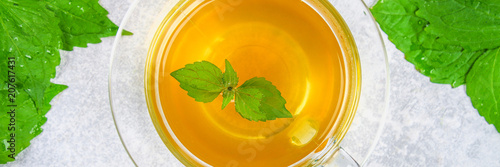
x=429, y=125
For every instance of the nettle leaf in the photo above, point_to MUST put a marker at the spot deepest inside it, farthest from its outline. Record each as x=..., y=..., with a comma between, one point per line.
x=256, y=100
x=446, y=40
x=202, y=80
x=230, y=80
x=247, y=104
x=227, y=95
x=29, y=33
x=31, y=36
x=273, y=103
x=483, y=86
x=463, y=22
x=28, y=119
x=82, y=22
x=447, y=64
x=229, y=77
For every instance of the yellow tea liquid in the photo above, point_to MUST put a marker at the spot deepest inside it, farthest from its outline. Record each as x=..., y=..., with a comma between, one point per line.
x=285, y=41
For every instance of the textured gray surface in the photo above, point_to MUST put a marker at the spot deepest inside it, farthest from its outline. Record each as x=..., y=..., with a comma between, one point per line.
x=429, y=124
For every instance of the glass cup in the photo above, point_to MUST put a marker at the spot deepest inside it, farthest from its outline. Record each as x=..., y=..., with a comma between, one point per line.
x=148, y=144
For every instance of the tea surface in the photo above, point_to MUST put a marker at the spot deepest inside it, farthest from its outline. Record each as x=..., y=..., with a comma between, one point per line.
x=289, y=44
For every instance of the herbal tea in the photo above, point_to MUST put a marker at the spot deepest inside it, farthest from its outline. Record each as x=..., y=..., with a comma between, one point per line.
x=286, y=42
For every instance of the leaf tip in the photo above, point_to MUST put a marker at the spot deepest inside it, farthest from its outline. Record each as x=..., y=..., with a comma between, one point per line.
x=125, y=32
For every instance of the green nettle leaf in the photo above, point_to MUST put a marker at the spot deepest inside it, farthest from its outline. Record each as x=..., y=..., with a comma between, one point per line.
x=33, y=39
x=227, y=95
x=483, y=86
x=247, y=104
x=469, y=24
x=272, y=102
x=28, y=119
x=202, y=80
x=447, y=64
x=256, y=100
x=31, y=36
x=229, y=77
x=445, y=38
x=230, y=80
x=82, y=22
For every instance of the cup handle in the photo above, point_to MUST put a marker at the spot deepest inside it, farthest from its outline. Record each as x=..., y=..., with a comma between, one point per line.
x=339, y=158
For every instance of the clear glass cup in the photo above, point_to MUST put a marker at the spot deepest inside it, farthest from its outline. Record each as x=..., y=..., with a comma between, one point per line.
x=149, y=146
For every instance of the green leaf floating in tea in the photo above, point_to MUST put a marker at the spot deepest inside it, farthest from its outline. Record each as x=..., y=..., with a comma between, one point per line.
x=247, y=103
x=272, y=103
x=31, y=34
x=256, y=100
x=202, y=80
x=230, y=80
x=452, y=41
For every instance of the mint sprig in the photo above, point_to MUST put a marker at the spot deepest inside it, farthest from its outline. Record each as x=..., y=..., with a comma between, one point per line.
x=256, y=100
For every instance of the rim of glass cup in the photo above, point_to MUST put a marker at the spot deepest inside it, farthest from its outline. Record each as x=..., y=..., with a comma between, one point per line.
x=387, y=83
